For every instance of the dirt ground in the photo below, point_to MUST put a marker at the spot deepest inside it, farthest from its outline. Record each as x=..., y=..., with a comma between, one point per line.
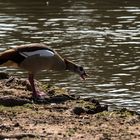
x=60, y=116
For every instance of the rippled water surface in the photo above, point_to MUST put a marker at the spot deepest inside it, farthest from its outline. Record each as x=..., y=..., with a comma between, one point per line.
x=103, y=36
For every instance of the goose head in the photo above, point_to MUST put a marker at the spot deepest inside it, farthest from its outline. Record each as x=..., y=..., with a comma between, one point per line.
x=80, y=70
x=75, y=68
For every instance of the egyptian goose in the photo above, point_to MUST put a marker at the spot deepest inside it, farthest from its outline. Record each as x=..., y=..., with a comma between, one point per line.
x=36, y=57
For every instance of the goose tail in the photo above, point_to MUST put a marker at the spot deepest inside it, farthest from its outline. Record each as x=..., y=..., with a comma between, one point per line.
x=6, y=58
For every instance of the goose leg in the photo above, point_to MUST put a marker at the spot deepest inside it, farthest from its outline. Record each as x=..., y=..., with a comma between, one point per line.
x=37, y=95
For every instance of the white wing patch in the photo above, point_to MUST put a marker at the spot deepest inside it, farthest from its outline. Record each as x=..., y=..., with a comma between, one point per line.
x=46, y=53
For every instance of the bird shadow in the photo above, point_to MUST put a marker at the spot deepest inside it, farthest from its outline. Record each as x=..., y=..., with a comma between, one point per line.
x=13, y=101
x=20, y=101
x=55, y=99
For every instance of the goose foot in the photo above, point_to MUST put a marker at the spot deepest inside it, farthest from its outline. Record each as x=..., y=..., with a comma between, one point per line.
x=39, y=96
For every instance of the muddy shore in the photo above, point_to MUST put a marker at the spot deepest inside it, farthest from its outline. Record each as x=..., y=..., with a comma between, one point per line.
x=60, y=116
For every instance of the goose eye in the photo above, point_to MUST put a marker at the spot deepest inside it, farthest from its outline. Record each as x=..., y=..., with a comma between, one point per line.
x=81, y=68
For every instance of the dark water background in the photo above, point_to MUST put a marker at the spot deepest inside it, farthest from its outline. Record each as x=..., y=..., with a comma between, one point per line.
x=101, y=35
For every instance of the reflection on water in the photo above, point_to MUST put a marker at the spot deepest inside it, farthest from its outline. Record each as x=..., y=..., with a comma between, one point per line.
x=104, y=36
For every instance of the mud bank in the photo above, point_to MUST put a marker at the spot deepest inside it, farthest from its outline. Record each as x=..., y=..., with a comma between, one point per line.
x=60, y=116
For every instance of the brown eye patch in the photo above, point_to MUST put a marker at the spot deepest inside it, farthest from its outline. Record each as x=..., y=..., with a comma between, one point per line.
x=81, y=68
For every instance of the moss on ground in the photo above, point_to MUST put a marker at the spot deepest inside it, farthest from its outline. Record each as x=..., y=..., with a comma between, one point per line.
x=61, y=116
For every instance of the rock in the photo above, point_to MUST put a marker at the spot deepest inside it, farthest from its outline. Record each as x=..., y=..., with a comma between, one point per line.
x=89, y=106
x=97, y=109
x=78, y=110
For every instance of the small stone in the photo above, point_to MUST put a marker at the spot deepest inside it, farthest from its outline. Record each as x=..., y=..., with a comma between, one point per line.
x=16, y=124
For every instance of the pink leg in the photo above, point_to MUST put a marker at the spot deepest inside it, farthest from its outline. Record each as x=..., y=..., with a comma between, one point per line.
x=36, y=94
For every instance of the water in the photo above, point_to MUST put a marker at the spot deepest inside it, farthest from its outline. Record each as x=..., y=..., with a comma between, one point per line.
x=103, y=36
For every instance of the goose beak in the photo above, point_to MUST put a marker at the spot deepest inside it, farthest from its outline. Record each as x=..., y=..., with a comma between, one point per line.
x=83, y=76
